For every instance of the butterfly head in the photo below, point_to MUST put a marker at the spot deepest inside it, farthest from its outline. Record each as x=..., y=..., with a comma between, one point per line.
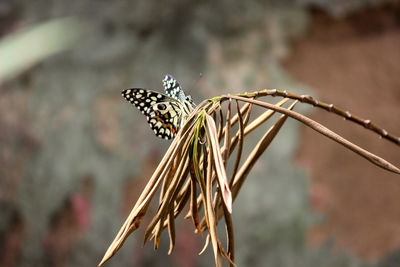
x=189, y=99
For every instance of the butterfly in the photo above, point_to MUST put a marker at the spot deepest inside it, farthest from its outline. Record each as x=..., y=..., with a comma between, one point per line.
x=165, y=114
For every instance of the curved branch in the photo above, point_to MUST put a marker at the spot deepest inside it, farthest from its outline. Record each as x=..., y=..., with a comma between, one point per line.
x=325, y=131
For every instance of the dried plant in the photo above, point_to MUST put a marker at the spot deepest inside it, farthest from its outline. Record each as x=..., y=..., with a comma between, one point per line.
x=197, y=160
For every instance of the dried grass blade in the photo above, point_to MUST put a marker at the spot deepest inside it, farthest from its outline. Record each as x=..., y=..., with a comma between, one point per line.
x=182, y=203
x=245, y=121
x=183, y=190
x=228, y=134
x=254, y=124
x=239, y=116
x=255, y=154
x=201, y=197
x=179, y=205
x=221, y=249
x=230, y=236
x=168, y=178
x=247, y=117
x=378, y=161
x=220, y=123
x=195, y=170
x=240, y=147
x=193, y=203
x=209, y=211
x=205, y=244
x=242, y=111
x=263, y=117
x=257, y=151
x=200, y=180
x=235, y=117
x=180, y=198
x=171, y=230
x=194, y=154
x=138, y=211
x=166, y=202
x=183, y=165
x=163, y=222
x=218, y=162
x=177, y=175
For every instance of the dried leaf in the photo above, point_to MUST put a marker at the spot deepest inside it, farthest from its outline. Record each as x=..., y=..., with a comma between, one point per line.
x=171, y=230
x=205, y=244
x=209, y=212
x=378, y=161
x=263, y=117
x=218, y=163
x=255, y=154
x=228, y=134
x=240, y=136
x=193, y=203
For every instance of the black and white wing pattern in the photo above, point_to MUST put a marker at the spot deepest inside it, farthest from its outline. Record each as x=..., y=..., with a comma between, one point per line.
x=173, y=88
x=165, y=113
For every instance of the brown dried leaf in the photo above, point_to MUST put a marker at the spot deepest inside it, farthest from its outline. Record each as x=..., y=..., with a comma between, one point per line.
x=255, y=154
x=209, y=211
x=378, y=161
x=228, y=134
x=218, y=162
x=171, y=230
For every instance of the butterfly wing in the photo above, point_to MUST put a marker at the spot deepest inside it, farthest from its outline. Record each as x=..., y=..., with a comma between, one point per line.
x=173, y=88
x=163, y=113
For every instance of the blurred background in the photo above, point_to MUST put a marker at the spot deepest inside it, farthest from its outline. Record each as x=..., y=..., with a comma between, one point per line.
x=74, y=156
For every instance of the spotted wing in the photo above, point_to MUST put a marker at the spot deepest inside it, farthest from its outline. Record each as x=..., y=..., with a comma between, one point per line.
x=163, y=113
x=172, y=88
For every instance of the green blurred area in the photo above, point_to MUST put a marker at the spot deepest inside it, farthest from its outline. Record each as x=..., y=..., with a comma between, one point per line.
x=24, y=49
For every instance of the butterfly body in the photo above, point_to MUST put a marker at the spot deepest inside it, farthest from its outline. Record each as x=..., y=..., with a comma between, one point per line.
x=165, y=114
